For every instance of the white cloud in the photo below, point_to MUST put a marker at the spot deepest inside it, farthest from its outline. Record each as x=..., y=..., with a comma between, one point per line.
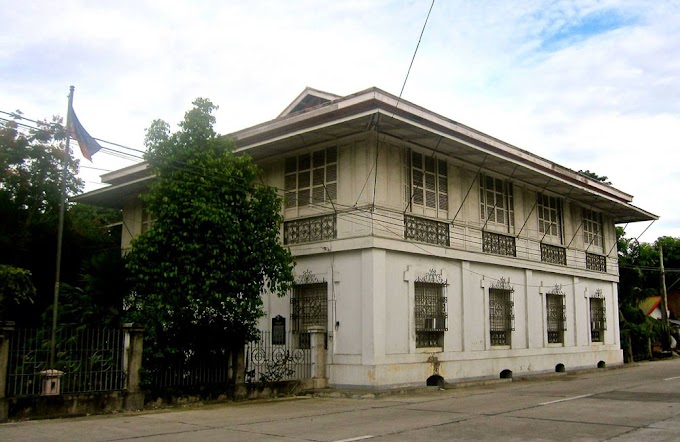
x=589, y=84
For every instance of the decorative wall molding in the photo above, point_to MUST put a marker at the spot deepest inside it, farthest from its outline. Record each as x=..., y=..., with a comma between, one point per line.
x=503, y=284
x=307, y=277
x=432, y=277
x=598, y=294
x=556, y=290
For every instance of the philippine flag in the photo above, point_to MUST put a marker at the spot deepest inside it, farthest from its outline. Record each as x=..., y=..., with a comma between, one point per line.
x=88, y=145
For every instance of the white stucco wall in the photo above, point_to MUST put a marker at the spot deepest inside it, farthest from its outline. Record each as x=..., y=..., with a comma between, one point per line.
x=370, y=272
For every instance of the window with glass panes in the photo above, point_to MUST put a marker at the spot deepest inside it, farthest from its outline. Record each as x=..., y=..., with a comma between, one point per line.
x=550, y=216
x=427, y=182
x=496, y=201
x=592, y=228
x=311, y=178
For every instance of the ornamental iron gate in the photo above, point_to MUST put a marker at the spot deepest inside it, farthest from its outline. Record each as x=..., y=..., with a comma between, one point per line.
x=269, y=359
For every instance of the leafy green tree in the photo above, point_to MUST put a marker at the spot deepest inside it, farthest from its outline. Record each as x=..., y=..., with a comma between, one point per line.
x=637, y=277
x=213, y=247
x=30, y=194
x=594, y=176
x=16, y=288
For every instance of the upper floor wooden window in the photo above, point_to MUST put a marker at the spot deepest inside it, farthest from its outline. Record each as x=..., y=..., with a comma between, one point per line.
x=550, y=223
x=496, y=201
x=311, y=178
x=426, y=182
x=592, y=228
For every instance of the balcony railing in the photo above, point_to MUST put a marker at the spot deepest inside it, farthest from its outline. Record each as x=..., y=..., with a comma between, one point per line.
x=318, y=228
x=426, y=230
x=595, y=262
x=498, y=244
x=553, y=254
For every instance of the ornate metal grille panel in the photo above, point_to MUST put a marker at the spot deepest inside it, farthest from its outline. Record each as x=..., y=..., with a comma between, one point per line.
x=595, y=262
x=501, y=316
x=430, y=314
x=553, y=254
x=498, y=244
x=267, y=361
x=318, y=228
x=598, y=319
x=309, y=307
x=556, y=311
x=426, y=230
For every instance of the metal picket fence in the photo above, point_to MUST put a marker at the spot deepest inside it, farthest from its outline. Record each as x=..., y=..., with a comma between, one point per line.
x=184, y=372
x=91, y=360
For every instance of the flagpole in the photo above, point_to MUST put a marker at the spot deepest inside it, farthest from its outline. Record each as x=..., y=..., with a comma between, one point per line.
x=60, y=230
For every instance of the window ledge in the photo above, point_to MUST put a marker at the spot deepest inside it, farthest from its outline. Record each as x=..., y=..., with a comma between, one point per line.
x=429, y=349
x=501, y=347
x=556, y=345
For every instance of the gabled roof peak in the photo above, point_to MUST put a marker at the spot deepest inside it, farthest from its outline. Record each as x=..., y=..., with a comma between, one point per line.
x=309, y=98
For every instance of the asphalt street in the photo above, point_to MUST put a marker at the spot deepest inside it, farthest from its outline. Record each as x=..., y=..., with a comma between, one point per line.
x=638, y=402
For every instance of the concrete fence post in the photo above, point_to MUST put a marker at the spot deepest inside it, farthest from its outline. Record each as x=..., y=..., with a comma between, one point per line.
x=6, y=329
x=134, y=338
x=240, y=389
x=318, y=345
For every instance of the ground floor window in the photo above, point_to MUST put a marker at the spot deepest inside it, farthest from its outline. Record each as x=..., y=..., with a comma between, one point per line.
x=556, y=312
x=308, y=307
x=501, y=313
x=430, y=310
x=598, y=317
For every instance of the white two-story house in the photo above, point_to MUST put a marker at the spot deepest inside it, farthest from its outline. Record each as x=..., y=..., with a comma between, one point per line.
x=425, y=247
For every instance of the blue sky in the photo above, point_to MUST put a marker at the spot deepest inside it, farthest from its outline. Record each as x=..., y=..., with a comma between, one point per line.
x=588, y=84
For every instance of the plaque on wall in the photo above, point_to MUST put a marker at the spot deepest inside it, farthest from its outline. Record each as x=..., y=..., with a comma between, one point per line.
x=279, y=330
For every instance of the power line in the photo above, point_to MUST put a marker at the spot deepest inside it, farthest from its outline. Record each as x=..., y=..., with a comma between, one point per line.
x=403, y=86
x=17, y=116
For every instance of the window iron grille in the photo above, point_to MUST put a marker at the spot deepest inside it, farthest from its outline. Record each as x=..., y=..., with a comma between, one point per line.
x=501, y=313
x=498, y=244
x=426, y=230
x=553, y=254
x=598, y=318
x=318, y=228
x=309, y=307
x=597, y=263
x=557, y=317
x=430, y=314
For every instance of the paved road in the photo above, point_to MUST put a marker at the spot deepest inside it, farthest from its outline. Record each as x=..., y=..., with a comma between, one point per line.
x=640, y=402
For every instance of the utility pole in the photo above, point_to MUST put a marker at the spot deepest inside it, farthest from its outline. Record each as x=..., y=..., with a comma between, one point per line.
x=664, y=304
